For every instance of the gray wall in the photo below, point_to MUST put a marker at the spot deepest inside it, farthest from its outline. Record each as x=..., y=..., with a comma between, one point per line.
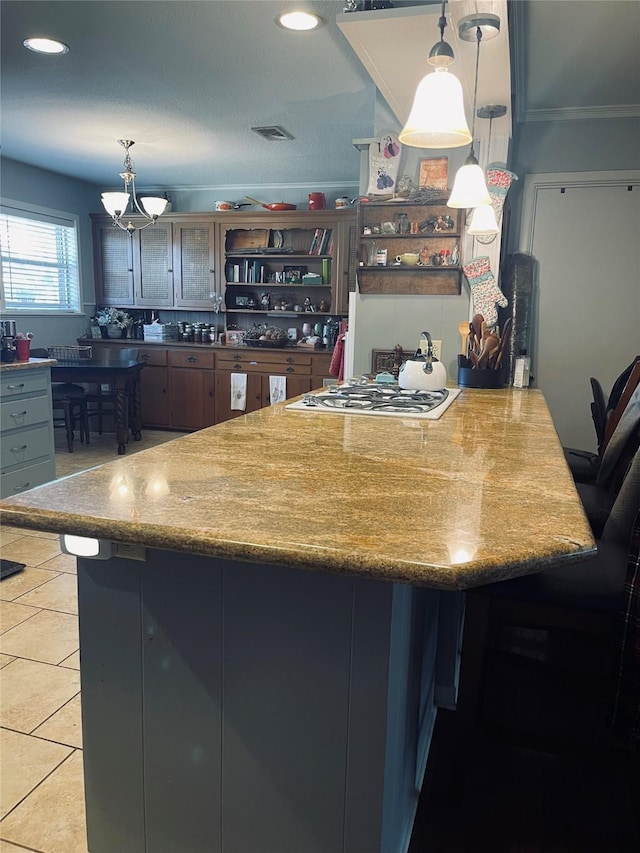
x=28, y=184
x=593, y=145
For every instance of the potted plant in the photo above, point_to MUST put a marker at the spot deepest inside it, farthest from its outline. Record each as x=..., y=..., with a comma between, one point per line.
x=113, y=322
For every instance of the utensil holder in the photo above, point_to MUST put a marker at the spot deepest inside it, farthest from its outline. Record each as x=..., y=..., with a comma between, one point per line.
x=22, y=348
x=469, y=377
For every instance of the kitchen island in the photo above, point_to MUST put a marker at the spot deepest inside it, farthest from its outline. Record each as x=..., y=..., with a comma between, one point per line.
x=265, y=646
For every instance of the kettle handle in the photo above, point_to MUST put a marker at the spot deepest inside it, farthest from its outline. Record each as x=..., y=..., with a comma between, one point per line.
x=428, y=366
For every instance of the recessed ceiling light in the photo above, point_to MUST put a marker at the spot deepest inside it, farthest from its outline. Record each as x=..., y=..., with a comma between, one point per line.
x=298, y=21
x=40, y=45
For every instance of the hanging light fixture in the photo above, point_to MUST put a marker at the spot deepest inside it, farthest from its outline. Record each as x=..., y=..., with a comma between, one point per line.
x=116, y=203
x=470, y=186
x=484, y=224
x=437, y=118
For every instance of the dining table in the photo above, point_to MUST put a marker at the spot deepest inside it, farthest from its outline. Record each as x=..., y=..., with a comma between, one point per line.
x=123, y=376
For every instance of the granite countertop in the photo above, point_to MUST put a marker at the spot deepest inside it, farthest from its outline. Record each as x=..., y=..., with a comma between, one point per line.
x=28, y=365
x=483, y=494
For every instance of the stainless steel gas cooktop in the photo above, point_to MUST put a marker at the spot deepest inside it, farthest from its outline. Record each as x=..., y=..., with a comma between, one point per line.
x=384, y=400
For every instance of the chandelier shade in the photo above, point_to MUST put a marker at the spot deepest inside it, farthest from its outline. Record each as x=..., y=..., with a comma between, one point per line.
x=116, y=203
x=437, y=118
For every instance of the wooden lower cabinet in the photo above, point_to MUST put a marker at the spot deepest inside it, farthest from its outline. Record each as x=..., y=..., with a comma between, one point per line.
x=154, y=388
x=191, y=388
x=258, y=367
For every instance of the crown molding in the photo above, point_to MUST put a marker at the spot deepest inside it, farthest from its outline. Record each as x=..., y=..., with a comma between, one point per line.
x=579, y=113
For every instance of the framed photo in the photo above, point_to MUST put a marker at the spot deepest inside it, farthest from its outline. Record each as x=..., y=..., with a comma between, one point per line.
x=434, y=173
x=244, y=301
x=293, y=275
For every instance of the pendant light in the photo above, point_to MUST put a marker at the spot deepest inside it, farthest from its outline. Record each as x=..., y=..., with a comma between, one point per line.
x=470, y=186
x=484, y=225
x=437, y=118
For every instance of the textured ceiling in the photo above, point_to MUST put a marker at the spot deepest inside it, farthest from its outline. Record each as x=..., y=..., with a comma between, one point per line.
x=187, y=80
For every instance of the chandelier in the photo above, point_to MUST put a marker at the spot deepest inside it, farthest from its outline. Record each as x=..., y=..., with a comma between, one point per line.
x=116, y=204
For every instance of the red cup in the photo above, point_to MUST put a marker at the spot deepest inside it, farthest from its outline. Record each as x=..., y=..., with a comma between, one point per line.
x=22, y=348
x=317, y=201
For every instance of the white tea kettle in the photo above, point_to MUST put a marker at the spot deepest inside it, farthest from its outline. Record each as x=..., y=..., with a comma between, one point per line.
x=423, y=372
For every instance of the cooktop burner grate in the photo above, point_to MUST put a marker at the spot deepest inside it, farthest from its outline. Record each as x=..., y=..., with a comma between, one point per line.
x=377, y=400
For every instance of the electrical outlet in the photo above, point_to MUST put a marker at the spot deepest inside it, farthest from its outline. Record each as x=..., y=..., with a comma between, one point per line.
x=437, y=348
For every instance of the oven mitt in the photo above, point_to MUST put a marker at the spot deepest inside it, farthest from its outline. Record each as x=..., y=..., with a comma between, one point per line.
x=485, y=292
x=499, y=180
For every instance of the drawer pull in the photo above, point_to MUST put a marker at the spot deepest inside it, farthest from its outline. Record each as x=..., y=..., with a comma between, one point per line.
x=15, y=387
x=192, y=358
x=23, y=487
x=253, y=362
x=145, y=355
x=290, y=370
x=18, y=414
x=19, y=449
x=289, y=360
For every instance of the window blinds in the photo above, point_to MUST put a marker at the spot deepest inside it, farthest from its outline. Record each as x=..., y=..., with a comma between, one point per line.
x=39, y=262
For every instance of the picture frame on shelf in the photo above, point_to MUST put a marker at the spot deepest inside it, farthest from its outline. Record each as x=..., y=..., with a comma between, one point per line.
x=293, y=274
x=433, y=173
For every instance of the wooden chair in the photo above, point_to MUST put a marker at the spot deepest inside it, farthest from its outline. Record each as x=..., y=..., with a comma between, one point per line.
x=70, y=401
x=101, y=402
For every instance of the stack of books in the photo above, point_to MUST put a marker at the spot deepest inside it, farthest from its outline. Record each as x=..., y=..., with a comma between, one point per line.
x=322, y=242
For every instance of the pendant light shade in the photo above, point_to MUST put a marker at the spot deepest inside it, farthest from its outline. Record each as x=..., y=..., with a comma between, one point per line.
x=483, y=221
x=469, y=187
x=437, y=118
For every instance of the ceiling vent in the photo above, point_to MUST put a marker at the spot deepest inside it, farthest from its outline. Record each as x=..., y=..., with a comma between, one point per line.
x=273, y=133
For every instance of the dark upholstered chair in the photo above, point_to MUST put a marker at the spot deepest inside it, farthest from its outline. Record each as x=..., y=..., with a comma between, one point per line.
x=584, y=465
x=551, y=637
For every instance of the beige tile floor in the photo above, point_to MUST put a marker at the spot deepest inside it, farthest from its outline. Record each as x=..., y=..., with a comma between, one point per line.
x=41, y=780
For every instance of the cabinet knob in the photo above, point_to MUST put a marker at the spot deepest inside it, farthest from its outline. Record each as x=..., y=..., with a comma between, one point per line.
x=290, y=370
x=144, y=356
x=192, y=358
x=290, y=360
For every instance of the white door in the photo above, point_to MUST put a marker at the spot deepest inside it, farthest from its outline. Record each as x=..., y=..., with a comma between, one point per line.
x=586, y=240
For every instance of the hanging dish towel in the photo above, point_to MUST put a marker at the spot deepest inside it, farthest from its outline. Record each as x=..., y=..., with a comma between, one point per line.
x=277, y=389
x=239, y=391
x=336, y=368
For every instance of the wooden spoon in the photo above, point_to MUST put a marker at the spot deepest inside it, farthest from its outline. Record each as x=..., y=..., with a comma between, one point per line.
x=463, y=329
x=489, y=344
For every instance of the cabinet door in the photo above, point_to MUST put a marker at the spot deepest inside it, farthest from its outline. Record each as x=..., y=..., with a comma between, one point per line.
x=113, y=265
x=295, y=385
x=153, y=265
x=193, y=265
x=192, y=398
x=223, y=409
x=154, y=396
x=345, y=265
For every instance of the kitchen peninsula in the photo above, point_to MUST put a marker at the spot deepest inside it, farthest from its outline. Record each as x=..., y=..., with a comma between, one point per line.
x=265, y=647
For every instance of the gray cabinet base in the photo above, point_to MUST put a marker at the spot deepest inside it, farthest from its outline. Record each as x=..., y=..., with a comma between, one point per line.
x=251, y=708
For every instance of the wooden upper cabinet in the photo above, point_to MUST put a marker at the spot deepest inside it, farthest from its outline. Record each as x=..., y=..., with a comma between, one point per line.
x=113, y=264
x=194, y=279
x=153, y=265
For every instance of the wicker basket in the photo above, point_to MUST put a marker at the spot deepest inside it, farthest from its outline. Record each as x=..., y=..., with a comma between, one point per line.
x=70, y=353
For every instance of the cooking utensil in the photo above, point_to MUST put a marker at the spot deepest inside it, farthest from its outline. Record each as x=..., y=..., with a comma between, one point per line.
x=423, y=372
x=278, y=205
x=463, y=329
x=489, y=345
x=230, y=205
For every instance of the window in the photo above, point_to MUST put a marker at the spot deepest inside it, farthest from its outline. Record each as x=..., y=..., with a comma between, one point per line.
x=39, y=260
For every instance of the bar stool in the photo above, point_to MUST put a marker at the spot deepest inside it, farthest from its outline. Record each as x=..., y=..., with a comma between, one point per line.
x=71, y=400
